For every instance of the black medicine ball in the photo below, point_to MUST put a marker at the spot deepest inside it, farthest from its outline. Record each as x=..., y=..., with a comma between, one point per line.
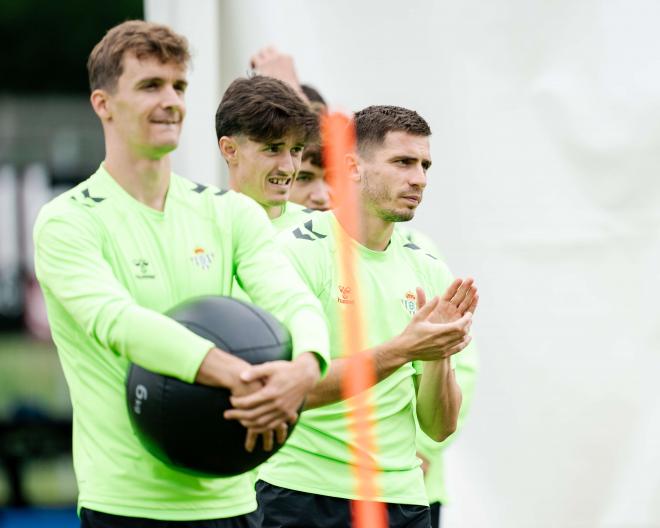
x=182, y=424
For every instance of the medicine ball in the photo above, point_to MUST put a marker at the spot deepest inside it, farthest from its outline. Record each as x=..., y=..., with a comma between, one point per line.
x=181, y=423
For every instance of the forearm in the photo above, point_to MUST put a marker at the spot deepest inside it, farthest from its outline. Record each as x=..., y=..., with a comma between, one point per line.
x=385, y=359
x=158, y=343
x=220, y=369
x=271, y=282
x=466, y=375
x=438, y=400
x=310, y=333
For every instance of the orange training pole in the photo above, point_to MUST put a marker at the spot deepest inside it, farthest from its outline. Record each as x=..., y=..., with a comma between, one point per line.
x=338, y=139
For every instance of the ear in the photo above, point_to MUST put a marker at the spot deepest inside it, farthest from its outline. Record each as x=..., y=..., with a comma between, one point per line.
x=100, y=103
x=353, y=166
x=228, y=148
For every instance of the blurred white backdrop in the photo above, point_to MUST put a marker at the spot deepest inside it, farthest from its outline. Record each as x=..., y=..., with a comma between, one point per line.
x=545, y=186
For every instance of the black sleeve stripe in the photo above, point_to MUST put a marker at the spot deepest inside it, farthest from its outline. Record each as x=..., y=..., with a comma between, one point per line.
x=411, y=246
x=429, y=255
x=96, y=199
x=308, y=210
x=221, y=192
x=299, y=234
x=308, y=225
x=200, y=188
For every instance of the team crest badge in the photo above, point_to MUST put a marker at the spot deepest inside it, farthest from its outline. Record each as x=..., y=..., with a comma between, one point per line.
x=409, y=302
x=202, y=259
x=345, y=295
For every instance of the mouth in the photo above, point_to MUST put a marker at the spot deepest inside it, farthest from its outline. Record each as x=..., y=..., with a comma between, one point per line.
x=280, y=181
x=165, y=121
x=166, y=118
x=412, y=198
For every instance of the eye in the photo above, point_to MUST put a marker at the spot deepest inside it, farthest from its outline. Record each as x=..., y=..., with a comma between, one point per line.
x=298, y=149
x=150, y=86
x=303, y=177
x=180, y=87
x=272, y=147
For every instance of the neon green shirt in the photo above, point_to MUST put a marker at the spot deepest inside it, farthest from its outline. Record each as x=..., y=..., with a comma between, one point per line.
x=292, y=214
x=109, y=267
x=419, y=239
x=317, y=456
x=465, y=364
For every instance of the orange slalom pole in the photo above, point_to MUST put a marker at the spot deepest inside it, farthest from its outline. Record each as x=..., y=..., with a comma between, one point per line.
x=338, y=139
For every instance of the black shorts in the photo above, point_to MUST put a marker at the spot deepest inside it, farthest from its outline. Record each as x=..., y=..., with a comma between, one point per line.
x=285, y=508
x=95, y=519
x=435, y=514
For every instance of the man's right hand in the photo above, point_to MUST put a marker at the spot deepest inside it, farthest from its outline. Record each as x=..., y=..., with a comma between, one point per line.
x=221, y=369
x=279, y=432
x=269, y=61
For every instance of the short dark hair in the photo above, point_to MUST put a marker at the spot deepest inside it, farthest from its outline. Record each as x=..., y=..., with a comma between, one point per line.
x=263, y=109
x=143, y=39
x=374, y=122
x=312, y=94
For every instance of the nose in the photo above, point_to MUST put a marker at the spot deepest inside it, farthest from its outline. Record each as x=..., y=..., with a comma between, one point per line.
x=288, y=163
x=418, y=177
x=172, y=98
x=320, y=195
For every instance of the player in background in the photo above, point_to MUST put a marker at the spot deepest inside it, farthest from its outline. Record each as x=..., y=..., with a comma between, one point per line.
x=262, y=127
x=309, y=481
x=311, y=190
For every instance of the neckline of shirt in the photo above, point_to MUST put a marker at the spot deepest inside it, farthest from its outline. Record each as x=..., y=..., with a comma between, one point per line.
x=118, y=191
x=362, y=249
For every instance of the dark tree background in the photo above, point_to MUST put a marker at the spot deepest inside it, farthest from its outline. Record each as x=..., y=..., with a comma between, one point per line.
x=45, y=43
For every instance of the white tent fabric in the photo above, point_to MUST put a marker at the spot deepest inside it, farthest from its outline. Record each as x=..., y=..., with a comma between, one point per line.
x=545, y=186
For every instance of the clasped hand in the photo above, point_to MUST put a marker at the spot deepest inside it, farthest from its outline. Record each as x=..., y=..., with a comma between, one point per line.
x=269, y=397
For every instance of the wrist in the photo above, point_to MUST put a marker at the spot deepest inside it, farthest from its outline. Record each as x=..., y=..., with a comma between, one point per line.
x=397, y=352
x=220, y=369
x=308, y=362
x=439, y=365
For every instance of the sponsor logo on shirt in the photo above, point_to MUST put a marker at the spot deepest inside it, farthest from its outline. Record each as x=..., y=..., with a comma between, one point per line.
x=345, y=295
x=143, y=269
x=201, y=258
x=409, y=302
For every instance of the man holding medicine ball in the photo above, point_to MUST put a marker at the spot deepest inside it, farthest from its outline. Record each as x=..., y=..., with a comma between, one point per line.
x=126, y=245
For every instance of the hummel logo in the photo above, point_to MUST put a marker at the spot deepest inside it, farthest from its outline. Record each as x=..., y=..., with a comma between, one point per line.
x=143, y=269
x=345, y=295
